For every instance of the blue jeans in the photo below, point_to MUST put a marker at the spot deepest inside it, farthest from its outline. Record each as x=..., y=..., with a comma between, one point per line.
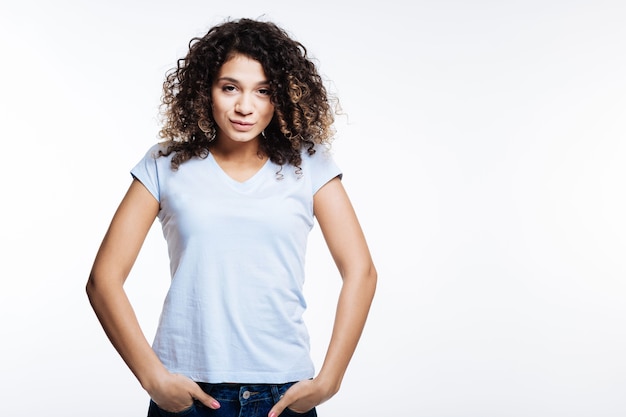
x=236, y=400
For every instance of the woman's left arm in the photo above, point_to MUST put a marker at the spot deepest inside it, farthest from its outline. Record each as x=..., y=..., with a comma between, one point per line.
x=348, y=247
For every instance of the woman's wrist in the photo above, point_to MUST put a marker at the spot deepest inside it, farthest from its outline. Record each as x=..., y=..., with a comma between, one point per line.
x=329, y=384
x=152, y=380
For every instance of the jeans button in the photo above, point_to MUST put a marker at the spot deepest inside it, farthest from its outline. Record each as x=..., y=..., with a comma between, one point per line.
x=246, y=395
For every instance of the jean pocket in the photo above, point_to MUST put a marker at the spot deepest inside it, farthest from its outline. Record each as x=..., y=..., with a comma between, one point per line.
x=156, y=411
x=290, y=413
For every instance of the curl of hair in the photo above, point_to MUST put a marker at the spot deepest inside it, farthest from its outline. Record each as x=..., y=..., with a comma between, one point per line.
x=303, y=116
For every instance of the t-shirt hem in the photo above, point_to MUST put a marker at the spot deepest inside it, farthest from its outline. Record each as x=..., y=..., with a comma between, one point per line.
x=247, y=378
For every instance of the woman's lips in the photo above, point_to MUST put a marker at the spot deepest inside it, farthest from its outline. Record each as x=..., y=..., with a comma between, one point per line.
x=242, y=126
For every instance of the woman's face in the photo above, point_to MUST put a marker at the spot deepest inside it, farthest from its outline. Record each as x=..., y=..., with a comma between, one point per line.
x=241, y=100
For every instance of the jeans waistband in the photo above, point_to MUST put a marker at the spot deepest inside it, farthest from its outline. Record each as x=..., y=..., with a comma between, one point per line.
x=244, y=393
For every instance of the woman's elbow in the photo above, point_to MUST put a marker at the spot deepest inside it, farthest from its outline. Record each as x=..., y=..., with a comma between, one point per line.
x=91, y=288
x=365, y=277
x=371, y=278
x=99, y=285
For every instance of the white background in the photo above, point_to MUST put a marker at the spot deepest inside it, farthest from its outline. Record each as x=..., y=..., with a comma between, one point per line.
x=484, y=152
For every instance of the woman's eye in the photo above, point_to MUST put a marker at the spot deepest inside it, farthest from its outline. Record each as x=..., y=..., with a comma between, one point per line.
x=265, y=91
x=228, y=88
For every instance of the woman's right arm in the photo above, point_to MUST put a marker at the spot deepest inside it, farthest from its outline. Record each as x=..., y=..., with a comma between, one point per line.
x=114, y=260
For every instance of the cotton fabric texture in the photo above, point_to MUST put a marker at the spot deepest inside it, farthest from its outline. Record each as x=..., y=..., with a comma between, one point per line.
x=234, y=309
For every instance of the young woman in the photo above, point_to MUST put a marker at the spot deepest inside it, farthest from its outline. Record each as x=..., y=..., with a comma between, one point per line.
x=243, y=170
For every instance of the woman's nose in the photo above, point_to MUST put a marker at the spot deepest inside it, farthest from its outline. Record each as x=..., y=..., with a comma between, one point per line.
x=243, y=105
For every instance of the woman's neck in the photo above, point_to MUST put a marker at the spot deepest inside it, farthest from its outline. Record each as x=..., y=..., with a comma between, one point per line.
x=239, y=160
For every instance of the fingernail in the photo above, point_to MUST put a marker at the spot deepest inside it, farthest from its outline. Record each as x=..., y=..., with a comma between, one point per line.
x=272, y=414
x=215, y=404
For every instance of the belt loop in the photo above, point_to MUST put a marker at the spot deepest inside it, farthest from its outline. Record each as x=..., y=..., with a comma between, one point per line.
x=275, y=393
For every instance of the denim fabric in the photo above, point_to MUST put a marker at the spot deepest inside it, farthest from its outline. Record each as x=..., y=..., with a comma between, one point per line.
x=236, y=400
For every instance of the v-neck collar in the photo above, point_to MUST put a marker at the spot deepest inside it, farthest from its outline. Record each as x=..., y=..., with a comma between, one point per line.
x=240, y=185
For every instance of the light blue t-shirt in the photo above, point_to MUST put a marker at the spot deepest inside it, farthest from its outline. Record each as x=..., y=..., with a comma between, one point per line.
x=234, y=309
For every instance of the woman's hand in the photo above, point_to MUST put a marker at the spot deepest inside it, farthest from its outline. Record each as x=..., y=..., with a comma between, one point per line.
x=175, y=393
x=302, y=396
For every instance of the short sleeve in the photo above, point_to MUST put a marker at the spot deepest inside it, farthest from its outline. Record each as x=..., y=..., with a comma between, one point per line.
x=146, y=171
x=323, y=167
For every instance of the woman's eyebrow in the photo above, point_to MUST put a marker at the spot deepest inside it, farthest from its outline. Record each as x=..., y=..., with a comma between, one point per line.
x=233, y=80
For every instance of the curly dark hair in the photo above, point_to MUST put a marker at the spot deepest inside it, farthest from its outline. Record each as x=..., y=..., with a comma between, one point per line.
x=303, y=116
